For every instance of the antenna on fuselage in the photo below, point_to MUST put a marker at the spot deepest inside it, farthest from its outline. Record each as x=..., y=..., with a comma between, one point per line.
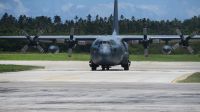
x=115, y=19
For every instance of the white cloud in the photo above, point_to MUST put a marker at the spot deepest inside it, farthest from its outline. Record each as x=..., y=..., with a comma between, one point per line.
x=193, y=12
x=127, y=6
x=147, y=8
x=128, y=9
x=80, y=6
x=101, y=9
x=20, y=8
x=151, y=8
x=2, y=6
x=69, y=7
x=14, y=7
x=70, y=10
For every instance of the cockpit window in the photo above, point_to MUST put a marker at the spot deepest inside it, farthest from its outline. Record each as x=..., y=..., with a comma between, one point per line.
x=104, y=42
x=112, y=42
x=97, y=42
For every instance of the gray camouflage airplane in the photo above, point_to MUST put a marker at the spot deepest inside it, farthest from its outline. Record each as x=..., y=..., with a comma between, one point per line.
x=110, y=50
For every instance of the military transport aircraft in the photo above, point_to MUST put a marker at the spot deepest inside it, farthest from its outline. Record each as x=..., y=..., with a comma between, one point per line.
x=110, y=50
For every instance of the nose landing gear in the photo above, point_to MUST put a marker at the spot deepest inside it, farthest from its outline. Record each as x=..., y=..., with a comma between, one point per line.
x=105, y=68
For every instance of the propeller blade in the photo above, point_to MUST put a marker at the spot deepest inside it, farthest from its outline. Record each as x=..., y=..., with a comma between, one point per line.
x=24, y=49
x=46, y=41
x=190, y=49
x=72, y=31
x=178, y=31
x=82, y=43
x=146, y=52
x=72, y=34
x=70, y=52
x=40, y=32
x=40, y=48
x=156, y=41
x=176, y=46
x=71, y=42
x=145, y=31
x=192, y=35
x=25, y=33
x=35, y=39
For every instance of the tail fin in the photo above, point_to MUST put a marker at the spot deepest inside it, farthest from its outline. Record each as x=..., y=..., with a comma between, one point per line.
x=115, y=21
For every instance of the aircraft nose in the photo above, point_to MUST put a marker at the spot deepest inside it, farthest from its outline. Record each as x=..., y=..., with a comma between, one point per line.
x=105, y=55
x=105, y=51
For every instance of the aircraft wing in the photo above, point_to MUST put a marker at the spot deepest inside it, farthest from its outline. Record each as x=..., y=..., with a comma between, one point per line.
x=154, y=37
x=58, y=39
x=86, y=37
x=12, y=37
x=63, y=38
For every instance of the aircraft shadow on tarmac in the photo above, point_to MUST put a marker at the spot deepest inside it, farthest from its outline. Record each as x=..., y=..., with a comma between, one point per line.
x=111, y=70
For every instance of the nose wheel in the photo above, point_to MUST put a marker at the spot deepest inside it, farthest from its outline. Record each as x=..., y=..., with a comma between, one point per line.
x=105, y=68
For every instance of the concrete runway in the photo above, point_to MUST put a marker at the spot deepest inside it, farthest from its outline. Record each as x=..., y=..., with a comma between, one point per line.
x=99, y=97
x=72, y=87
x=69, y=71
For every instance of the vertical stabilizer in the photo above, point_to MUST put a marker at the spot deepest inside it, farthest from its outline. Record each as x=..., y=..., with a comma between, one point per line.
x=115, y=19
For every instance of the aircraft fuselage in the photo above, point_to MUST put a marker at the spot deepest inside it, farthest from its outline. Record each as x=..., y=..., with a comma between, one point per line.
x=107, y=52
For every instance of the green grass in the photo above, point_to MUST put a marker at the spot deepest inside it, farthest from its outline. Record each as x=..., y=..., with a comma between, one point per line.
x=44, y=57
x=86, y=57
x=167, y=58
x=16, y=68
x=194, y=78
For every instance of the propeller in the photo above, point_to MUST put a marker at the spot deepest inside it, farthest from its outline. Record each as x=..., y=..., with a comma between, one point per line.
x=32, y=42
x=145, y=42
x=167, y=49
x=184, y=41
x=71, y=42
x=53, y=48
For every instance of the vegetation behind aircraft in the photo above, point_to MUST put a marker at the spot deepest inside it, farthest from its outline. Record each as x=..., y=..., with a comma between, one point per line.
x=10, y=25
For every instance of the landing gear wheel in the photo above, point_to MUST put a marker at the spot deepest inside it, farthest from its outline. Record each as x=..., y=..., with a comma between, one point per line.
x=108, y=68
x=103, y=68
x=126, y=66
x=93, y=66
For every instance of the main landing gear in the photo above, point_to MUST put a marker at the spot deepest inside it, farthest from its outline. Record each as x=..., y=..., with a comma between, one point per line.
x=126, y=65
x=94, y=66
x=105, y=68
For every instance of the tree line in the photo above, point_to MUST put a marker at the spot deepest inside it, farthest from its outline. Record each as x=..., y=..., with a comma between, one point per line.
x=10, y=25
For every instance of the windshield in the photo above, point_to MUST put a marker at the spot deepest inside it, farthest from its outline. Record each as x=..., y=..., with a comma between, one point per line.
x=112, y=42
x=109, y=42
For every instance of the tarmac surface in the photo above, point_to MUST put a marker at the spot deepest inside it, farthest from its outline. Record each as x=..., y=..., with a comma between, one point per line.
x=98, y=97
x=72, y=87
x=78, y=71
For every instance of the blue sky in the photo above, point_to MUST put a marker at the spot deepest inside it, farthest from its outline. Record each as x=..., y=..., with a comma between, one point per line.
x=68, y=9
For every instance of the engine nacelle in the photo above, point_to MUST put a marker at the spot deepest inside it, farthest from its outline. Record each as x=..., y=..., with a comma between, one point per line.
x=167, y=49
x=53, y=49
